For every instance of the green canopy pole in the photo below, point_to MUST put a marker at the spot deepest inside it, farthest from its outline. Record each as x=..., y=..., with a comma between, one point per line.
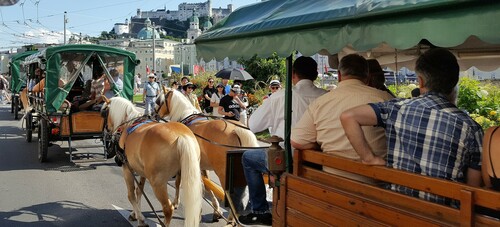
x=288, y=114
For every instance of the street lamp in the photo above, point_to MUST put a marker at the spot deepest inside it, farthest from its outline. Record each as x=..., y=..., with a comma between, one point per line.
x=154, y=49
x=65, y=22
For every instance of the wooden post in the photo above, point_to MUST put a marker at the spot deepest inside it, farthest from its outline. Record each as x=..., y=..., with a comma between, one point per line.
x=466, y=208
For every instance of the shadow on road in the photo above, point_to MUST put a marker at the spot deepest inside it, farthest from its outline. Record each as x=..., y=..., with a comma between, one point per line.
x=61, y=213
x=14, y=147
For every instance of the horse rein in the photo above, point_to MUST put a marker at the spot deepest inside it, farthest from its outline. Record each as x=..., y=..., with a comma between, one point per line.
x=199, y=114
x=188, y=122
x=191, y=117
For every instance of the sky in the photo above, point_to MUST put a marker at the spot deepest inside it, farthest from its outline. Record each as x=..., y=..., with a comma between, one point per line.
x=41, y=21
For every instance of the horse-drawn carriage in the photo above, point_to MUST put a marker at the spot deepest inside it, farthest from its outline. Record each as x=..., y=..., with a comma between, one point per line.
x=18, y=79
x=394, y=33
x=68, y=72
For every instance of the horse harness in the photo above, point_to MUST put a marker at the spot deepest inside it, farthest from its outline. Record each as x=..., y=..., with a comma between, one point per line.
x=166, y=101
x=120, y=153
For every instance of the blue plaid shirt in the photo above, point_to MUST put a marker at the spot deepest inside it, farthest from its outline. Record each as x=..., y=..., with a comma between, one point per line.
x=429, y=135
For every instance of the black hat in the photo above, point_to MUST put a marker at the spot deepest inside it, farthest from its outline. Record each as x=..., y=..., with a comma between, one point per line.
x=189, y=84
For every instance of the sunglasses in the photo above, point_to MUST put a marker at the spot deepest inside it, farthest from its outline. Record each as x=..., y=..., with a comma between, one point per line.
x=210, y=81
x=274, y=88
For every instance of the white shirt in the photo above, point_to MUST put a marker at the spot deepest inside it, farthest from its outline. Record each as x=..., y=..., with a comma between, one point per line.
x=271, y=114
x=215, y=98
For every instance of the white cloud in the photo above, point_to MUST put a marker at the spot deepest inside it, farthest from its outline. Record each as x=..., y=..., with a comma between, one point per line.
x=41, y=35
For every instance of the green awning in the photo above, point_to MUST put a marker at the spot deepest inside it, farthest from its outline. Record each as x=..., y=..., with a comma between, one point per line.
x=18, y=79
x=57, y=88
x=283, y=26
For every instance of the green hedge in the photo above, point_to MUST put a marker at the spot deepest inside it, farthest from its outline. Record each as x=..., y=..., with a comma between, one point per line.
x=480, y=99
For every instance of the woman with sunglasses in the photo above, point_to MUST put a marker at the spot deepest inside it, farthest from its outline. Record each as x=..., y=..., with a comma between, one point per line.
x=215, y=100
x=188, y=92
x=208, y=91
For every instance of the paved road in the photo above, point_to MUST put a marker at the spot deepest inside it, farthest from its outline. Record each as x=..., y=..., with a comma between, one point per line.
x=60, y=193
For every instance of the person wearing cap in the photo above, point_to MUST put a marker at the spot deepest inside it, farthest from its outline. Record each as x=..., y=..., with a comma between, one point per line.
x=188, y=92
x=150, y=92
x=216, y=97
x=230, y=105
x=274, y=86
x=319, y=128
x=271, y=115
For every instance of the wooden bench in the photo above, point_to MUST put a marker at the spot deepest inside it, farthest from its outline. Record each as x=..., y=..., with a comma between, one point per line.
x=311, y=197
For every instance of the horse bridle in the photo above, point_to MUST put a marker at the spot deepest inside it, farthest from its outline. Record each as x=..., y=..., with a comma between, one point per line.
x=166, y=102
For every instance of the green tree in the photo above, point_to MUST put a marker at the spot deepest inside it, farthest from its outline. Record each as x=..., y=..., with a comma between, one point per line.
x=263, y=70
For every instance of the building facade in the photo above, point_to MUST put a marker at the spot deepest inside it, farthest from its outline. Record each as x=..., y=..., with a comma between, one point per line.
x=186, y=11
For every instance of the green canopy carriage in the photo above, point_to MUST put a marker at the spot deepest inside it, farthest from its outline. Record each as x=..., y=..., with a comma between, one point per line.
x=68, y=70
x=18, y=78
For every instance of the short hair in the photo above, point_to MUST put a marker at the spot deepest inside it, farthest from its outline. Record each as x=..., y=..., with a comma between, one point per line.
x=185, y=77
x=354, y=65
x=305, y=68
x=376, y=76
x=439, y=69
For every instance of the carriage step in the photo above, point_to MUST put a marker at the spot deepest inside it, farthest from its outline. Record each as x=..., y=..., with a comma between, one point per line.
x=71, y=168
x=88, y=146
x=89, y=160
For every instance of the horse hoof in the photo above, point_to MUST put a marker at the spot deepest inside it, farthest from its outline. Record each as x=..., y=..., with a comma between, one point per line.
x=216, y=217
x=132, y=218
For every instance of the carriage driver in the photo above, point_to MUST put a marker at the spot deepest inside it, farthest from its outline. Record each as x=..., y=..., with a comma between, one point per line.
x=270, y=115
x=151, y=90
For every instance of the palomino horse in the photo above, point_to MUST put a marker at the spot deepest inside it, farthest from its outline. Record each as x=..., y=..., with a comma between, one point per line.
x=156, y=152
x=223, y=134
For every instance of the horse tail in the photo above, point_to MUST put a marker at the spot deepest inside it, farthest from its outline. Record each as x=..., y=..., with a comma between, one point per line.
x=190, y=179
x=247, y=137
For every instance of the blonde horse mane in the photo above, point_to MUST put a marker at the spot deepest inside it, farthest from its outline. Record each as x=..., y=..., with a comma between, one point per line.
x=180, y=106
x=121, y=110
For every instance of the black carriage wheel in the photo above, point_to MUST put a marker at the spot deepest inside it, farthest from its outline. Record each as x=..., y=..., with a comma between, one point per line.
x=16, y=107
x=43, y=140
x=29, y=127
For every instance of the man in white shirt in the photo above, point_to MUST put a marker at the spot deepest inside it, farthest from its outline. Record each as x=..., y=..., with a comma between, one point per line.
x=271, y=115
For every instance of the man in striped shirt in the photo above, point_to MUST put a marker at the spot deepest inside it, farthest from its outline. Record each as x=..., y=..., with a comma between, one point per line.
x=428, y=134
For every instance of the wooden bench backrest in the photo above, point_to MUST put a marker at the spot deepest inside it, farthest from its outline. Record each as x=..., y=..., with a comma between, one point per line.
x=84, y=122
x=314, y=197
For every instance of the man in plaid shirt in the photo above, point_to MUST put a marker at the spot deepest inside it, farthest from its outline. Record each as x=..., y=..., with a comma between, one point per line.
x=428, y=134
